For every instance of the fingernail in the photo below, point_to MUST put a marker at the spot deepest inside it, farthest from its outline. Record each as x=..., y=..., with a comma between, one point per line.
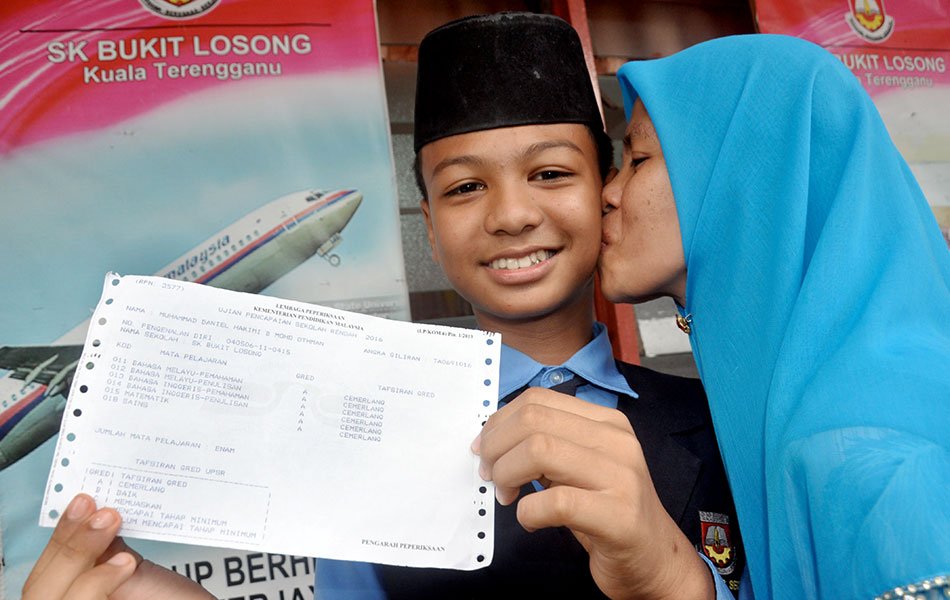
x=120, y=559
x=500, y=497
x=78, y=508
x=477, y=443
x=102, y=519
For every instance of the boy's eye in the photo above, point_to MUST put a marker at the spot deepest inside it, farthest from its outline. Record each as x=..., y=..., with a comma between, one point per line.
x=465, y=188
x=550, y=175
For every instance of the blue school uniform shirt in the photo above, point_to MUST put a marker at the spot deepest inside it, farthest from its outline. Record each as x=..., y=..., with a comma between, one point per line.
x=347, y=580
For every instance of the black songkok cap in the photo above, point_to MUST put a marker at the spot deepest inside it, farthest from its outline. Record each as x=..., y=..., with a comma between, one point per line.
x=501, y=70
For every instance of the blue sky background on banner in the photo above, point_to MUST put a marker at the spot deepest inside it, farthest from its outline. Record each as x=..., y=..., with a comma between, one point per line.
x=134, y=197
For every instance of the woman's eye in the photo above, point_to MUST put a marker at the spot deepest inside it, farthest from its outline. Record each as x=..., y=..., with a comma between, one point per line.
x=635, y=162
x=465, y=188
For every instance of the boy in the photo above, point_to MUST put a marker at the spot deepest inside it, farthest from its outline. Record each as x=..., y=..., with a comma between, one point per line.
x=511, y=155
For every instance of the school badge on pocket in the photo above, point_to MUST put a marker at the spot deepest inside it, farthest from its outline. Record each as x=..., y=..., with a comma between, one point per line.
x=717, y=541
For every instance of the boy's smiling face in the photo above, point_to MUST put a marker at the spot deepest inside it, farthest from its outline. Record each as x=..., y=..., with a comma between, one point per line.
x=514, y=216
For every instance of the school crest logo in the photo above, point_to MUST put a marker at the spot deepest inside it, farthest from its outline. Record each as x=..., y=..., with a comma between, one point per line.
x=869, y=21
x=179, y=9
x=717, y=541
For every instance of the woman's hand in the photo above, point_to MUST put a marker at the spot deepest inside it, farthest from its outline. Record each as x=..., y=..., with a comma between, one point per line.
x=84, y=560
x=598, y=485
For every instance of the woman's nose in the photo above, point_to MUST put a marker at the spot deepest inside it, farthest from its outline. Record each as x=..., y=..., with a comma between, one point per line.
x=609, y=193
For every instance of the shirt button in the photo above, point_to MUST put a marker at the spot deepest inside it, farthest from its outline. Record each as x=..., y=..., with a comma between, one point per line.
x=557, y=377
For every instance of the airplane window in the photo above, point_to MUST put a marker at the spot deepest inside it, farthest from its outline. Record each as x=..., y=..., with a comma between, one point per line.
x=202, y=268
x=234, y=247
x=256, y=233
x=194, y=273
x=249, y=236
x=226, y=253
x=241, y=243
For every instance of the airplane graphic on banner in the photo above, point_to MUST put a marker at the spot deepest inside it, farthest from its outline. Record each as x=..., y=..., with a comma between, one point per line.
x=247, y=256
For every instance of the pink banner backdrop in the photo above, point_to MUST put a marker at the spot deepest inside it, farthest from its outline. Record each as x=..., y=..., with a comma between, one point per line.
x=886, y=43
x=900, y=52
x=111, y=60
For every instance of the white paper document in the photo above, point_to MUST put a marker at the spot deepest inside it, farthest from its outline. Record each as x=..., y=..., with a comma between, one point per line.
x=218, y=418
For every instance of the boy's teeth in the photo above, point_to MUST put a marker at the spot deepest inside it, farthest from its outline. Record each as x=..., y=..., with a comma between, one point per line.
x=520, y=263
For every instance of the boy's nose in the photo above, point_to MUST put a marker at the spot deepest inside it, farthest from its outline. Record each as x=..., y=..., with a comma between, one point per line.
x=513, y=211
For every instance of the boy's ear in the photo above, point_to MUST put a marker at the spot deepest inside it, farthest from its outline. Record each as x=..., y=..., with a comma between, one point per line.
x=424, y=205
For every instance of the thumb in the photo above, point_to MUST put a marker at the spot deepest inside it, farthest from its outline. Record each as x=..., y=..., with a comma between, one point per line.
x=100, y=581
x=583, y=538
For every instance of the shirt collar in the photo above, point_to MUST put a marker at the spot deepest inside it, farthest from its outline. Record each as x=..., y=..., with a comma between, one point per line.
x=594, y=362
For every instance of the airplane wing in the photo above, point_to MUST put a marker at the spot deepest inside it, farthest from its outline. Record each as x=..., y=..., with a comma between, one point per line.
x=47, y=365
x=30, y=413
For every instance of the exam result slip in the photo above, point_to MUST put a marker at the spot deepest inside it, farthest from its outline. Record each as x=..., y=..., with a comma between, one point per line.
x=213, y=417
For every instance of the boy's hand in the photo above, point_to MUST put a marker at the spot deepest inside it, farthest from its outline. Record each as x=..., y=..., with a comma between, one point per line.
x=84, y=560
x=598, y=485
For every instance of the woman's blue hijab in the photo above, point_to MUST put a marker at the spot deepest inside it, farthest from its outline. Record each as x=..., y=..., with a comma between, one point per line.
x=819, y=289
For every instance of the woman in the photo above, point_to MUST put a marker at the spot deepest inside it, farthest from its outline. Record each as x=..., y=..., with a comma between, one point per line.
x=815, y=287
